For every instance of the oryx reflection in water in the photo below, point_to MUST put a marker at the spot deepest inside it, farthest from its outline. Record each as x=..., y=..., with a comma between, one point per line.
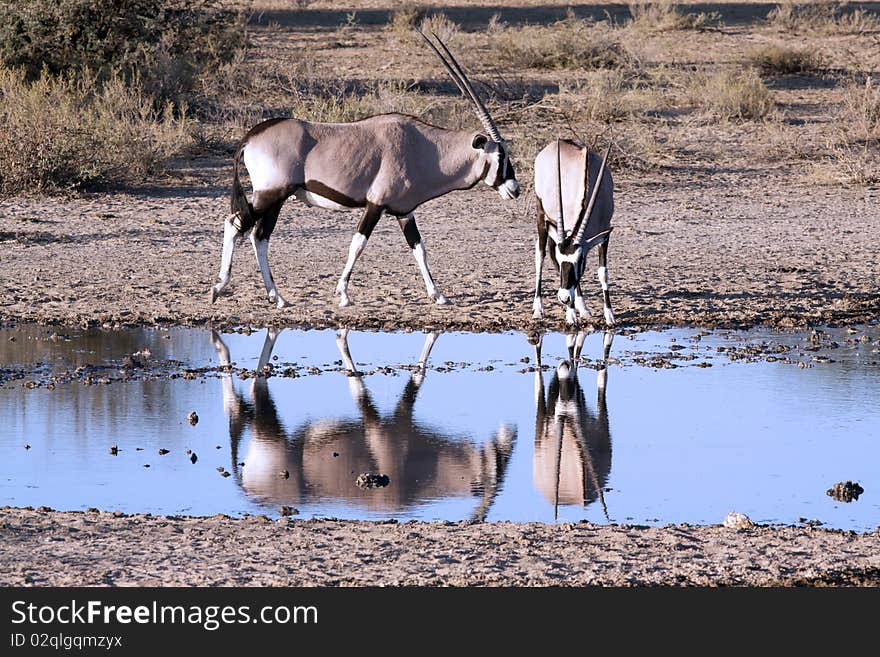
x=572, y=458
x=320, y=459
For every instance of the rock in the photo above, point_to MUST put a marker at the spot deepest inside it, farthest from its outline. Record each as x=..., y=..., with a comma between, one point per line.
x=193, y=458
x=163, y=451
x=193, y=418
x=284, y=474
x=288, y=511
x=734, y=520
x=224, y=474
x=845, y=491
x=114, y=450
x=370, y=480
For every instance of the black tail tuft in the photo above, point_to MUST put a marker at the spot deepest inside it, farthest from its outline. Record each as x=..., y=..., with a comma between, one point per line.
x=243, y=212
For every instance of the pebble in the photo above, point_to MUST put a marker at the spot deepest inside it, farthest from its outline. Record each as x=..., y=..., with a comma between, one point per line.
x=734, y=520
x=193, y=418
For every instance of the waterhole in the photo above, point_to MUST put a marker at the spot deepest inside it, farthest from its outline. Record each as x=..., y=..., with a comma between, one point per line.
x=632, y=427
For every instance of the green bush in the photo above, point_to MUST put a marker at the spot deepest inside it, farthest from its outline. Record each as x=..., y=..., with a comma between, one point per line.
x=164, y=41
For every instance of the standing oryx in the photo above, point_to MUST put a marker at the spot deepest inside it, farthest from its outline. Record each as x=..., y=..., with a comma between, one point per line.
x=566, y=174
x=391, y=164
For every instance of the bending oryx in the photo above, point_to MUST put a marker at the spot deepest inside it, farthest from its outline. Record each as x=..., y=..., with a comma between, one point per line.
x=391, y=164
x=562, y=173
x=572, y=458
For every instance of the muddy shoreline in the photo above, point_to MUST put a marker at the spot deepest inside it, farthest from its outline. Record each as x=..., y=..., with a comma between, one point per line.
x=51, y=548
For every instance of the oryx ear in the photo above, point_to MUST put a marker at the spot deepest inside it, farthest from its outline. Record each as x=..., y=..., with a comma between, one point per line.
x=480, y=141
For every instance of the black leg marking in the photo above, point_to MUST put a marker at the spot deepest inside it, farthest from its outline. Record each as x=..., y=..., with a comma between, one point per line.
x=369, y=220
x=603, y=262
x=410, y=230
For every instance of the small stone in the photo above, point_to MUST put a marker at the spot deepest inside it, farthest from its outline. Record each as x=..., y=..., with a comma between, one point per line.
x=220, y=468
x=335, y=454
x=27, y=446
x=284, y=474
x=193, y=458
x=163, y=451
x=146, y=465
x=370, y=480
x=193, y=418
x=188, y=452
x=845, y=491
x=288, y=511
x=734, y=520
x=224, y=474
x=114, y=450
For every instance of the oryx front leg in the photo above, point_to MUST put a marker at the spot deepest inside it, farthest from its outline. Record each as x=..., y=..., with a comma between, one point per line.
x=602, y=273
x=260, y=235
x=414, y=239
x=540, y=250
x=230, y=234
x=579, y=303
x=357, y=246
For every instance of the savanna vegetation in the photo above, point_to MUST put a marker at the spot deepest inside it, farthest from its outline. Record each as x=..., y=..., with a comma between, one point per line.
x=105, y=92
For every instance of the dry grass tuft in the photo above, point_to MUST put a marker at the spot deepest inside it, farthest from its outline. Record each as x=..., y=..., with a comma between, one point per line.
x=861, y=108
x=782, y=60
x=733, y=95
x=567, y=44
x=822, y=17
x=405, y=21
x=66, y=131
x=664, y=15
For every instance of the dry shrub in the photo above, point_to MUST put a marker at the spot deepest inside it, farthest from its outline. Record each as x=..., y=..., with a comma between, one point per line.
x=567, y=44
x=320, y=101
x=821, y=17
x=782, y=60
x=861, y=108
x=733, y=95
x=405, y=21
x=664, y=15
x=66, y=131
x=849, y=164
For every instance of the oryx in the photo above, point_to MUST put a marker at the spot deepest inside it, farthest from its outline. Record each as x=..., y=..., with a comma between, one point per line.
x=386, y=164
x=566, y=174
x=572, y=457
x=317, y=459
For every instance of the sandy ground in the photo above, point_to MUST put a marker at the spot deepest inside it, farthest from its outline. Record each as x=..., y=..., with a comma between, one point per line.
x=712, y=250
x=75, y=548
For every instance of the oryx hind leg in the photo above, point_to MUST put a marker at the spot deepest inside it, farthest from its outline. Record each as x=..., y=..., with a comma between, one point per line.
x=230, y=236
x=414, y=239
x=358, y=243
x=260, y=235
x=602, y=273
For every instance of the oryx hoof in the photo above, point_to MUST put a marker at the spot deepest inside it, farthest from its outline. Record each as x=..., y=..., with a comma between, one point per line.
x=571, y=316
x=538, y=314
x=439, y=299
x=602, y=379
x=214, y=294
x=344, y=301
x=282, y=303
x=609, y=317
x=537, y=309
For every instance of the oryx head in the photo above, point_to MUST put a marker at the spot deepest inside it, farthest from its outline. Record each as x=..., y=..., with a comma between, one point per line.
x=572, y=246
x=498, y=171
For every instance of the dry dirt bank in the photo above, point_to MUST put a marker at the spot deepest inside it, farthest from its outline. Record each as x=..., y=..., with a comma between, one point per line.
x=75, y=548
x=718, y=250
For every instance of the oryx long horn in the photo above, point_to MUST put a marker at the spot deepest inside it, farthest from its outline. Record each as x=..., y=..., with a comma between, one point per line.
x=560, y=229
x=464, y=85
x=586, y=218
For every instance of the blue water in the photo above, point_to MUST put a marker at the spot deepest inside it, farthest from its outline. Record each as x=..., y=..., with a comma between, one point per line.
x=467, y=438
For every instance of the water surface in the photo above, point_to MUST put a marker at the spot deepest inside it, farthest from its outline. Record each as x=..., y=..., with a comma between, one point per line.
x=688, y=426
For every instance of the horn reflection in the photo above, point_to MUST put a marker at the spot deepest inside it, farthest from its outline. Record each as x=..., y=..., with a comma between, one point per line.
x=319, y=459
x=572, y=457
